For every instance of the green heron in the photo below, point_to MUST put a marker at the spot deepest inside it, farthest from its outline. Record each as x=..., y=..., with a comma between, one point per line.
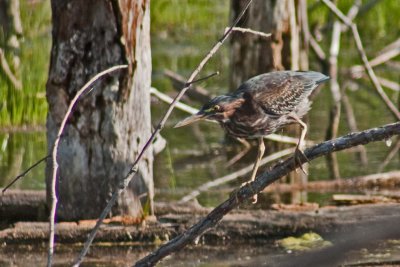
x=261, y=106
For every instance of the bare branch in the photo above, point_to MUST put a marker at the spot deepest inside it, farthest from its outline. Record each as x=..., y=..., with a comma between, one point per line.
x=352, y=123
x=263, y=180
x=363, y=56
x=389, y=52
x=235, y=175
x=53, y=193
x=167, y=99
x=196, y=92
x=392, y=152
x=246, y=30
x=203, y=78
x=334, y=118
x=317, y=48
x=160, y=126
x=389, y=84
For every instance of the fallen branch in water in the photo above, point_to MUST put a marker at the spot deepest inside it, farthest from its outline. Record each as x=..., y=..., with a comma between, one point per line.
x=263, y=180
x=235, y=175
x=387, y=180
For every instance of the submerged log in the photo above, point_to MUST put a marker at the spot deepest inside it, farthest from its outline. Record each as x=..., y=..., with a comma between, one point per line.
x=23, y=205
x=255, y=225
x=388, y=180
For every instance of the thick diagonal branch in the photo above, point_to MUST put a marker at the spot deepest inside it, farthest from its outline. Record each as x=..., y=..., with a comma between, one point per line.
x=263, y=180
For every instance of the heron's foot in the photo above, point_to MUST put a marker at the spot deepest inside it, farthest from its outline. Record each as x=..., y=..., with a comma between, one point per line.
x=298, y=157
x=236, y=191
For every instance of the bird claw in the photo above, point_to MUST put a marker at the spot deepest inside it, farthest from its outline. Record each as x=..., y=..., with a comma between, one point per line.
x=234, y=193
x=297, y=158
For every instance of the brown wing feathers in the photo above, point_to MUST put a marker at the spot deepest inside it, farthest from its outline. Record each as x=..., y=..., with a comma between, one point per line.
x=277, y=94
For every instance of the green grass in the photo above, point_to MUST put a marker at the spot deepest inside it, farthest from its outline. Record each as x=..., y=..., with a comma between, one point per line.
x=28, y=106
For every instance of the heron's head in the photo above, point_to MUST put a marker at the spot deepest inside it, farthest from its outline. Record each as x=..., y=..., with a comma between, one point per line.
x=219, y=109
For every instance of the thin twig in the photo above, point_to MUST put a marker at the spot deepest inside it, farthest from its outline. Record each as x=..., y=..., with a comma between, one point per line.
x=246, y=30
x=352, y=123
x=246, y=192
x=364, y=58
x=53, y=193
x=167, y=99
x=335, y=112
x=196, y=92
x=378, y=60
x=392, y=152
x=160, y=126
x=234, y=175
x=24, y=173
x=317, y=48
x=389, y=84
x=203, y=78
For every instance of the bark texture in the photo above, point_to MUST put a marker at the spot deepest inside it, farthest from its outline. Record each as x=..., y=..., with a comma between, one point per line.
x=112, y=122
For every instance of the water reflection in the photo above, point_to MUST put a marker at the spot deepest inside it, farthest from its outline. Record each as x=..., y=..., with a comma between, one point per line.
x=19, y=151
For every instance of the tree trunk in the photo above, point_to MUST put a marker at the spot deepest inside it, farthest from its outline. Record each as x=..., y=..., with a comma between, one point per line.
x=252, y=55
x=110, y=124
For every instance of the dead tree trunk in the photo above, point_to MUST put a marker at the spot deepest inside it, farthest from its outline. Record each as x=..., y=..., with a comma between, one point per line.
x=252, y=55
x=112, y=122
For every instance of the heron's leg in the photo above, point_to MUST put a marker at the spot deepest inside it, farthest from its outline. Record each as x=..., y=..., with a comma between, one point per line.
x=260, y=154
x=246, y=149
x=261, y=150
x=299, y=152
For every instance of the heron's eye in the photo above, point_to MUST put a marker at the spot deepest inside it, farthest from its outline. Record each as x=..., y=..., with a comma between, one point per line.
x=217, y=108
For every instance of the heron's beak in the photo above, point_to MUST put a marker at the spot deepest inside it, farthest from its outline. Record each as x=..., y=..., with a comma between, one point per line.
x=190, y=120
